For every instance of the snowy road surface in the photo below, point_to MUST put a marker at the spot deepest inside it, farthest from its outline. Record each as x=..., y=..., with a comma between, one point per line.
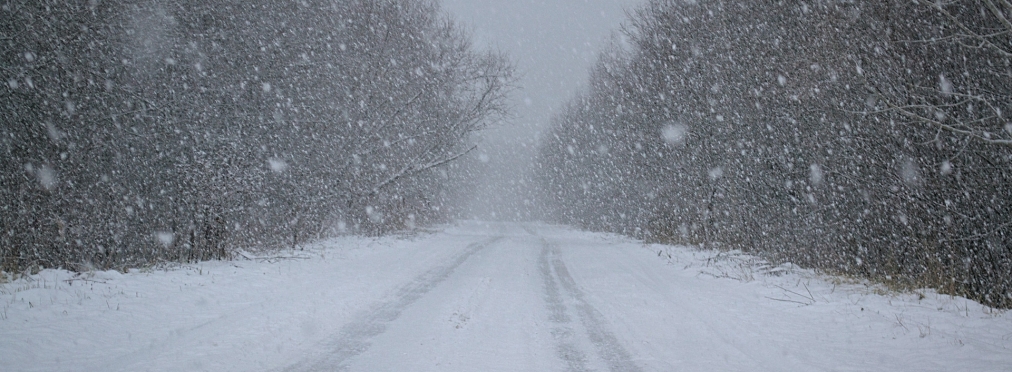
x=489, y=297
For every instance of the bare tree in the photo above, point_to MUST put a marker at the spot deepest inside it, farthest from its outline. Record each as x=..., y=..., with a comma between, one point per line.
x=747, y=125
x=973, y=102
x=139, y=131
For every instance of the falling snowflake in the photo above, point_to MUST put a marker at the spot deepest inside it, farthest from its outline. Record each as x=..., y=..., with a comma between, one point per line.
x=815, y=174
x=946, y=168
x=165, y=237
x=716, y=173
x=945, y=85
x=47, y=177
x=277, y=165
x=675, y=133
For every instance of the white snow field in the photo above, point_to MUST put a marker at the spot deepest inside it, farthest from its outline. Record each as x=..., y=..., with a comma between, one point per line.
x=489, y=297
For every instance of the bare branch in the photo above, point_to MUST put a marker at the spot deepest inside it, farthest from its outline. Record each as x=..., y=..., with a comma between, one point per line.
x=998, y=14
x=962, y=26
x=978, y=135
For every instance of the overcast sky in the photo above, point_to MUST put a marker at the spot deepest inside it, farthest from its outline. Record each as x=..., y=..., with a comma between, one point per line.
x=554, y=43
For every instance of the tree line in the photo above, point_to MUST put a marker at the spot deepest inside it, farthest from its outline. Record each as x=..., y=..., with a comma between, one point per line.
x=870, y=139
x=139, y=131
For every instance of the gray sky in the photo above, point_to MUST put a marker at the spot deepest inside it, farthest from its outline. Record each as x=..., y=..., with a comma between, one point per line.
x=554, y=43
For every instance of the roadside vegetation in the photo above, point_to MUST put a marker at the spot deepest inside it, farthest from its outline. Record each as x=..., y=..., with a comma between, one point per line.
x=871, y=139
x=146, y=131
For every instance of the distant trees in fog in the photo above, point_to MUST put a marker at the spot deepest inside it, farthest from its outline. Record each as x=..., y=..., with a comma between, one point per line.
x=864, y=138
x=137, y=131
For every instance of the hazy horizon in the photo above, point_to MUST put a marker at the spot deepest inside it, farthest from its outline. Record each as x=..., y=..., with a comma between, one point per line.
x=554, y=44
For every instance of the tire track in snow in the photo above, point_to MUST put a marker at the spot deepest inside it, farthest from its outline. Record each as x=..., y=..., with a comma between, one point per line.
x=608, y=347
x=354, y=337
x=575, y=360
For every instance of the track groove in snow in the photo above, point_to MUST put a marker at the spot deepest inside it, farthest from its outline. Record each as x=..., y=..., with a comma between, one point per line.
x=353, y=338
x=615, y=356
x=562, y=332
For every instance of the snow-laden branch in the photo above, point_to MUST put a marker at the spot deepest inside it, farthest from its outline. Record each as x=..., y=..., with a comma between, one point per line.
x=415, y=168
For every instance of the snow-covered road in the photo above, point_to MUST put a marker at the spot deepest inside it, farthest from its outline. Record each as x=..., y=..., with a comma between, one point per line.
x=490, y=297
x=507, y=303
